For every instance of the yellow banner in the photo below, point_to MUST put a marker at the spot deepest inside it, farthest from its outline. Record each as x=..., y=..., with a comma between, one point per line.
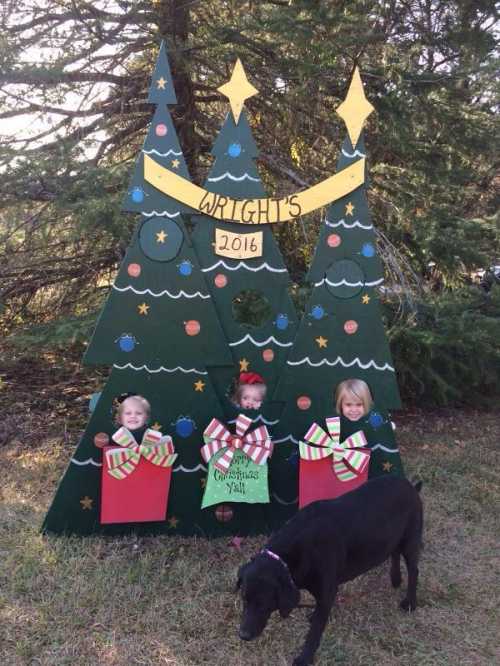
x=254, y=211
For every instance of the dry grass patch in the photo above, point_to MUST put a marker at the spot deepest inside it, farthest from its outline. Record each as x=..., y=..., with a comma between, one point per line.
x=169, y=600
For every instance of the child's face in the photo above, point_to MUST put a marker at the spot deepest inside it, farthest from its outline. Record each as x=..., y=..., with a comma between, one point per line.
x=133, y=414
x=251, y=397
x=352, y=407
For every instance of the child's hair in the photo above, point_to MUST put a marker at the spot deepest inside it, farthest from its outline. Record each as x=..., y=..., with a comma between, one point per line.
x=356, y=387
x=132, y=396
x=247, y=379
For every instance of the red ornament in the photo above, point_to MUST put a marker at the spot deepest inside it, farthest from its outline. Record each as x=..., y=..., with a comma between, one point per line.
x=101, y=440
x=268, y=355
x=224, y=513
x=192, y=327
x=220, y=280
x=350, y=326
x=303, y=402
x=334, y=240
x=161, y=129
x=134, y=270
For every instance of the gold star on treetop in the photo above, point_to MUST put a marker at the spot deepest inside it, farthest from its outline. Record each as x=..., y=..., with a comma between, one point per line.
x=160, y=236
x=199, y=385
x=387, y=466
x=237, y=90
x=175, y=164
x=143, y=308
x=156, y=426
x=355, y=109
x=173, y=522
x=365, y=299
x=161, y=83
x=86, y=503
x=349, y=209
x=244, y=364
x=322, y=342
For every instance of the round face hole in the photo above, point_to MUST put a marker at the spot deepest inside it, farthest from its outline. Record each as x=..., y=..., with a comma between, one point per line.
x=251, y=308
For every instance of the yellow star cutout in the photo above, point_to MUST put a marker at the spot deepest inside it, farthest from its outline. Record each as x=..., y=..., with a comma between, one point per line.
x=365, y=299
x=322, y=342
x=203, y=483
x=355, y=109
x=156, y=426
x=349, y=209
x=175, y=164
x=173, y=522
x=161, y=83
x=86, y=503
x=160, y=236
x=244, y=364
x=238, y=89
x=143, y=308
x=199, y=385
x=387, y=466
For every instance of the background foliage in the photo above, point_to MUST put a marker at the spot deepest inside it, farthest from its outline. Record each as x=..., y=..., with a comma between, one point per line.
x=74, y=77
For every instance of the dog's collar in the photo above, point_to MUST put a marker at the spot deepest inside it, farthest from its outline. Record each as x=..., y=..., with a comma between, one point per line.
x=266, y=551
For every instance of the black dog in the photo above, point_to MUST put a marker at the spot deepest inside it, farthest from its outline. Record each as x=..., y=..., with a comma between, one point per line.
x=328, y=543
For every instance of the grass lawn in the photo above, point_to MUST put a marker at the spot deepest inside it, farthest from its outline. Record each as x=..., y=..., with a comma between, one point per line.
x=169, y=600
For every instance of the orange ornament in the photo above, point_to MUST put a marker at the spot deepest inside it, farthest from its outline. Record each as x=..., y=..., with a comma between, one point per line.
x=350, y=326
x=220, y=280
x=134, y=270
x=192, y=327
x=303, y=402
x=101, y=440
x=334, y=240
x=268, y=355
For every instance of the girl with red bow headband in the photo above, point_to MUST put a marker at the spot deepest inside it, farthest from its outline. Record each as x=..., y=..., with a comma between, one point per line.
x=249, y=391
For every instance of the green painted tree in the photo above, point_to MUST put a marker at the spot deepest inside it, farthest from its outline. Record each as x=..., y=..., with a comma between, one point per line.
x=159, y=329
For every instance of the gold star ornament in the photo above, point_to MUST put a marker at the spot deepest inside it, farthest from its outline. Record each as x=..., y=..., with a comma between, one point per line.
x=355, y=109
x=322, y=342
x=244, y=364
x=173, y=522
x=237, y=90
x=143, y=308
x=160, y=83
x=86, y=503
x=386, y=466
x=365, y=299
x=161, y=236
x=175, y=164
x=349, y=209
x=199, y=386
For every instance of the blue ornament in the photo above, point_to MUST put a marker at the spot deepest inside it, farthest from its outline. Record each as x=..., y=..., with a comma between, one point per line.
x=368, y=250
x=185, y=267
x=234, y=150
x=293, y=459
x=126, y=342
x=282, y=322
x=184, y=426
x=137, y=195
x=375, y=420
x=317, y=312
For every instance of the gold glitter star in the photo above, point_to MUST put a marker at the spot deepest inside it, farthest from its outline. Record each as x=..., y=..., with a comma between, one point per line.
x=387, y=466
x=203, y=483
x=175, y=164
x=86, y=503
x=160, y=236
x=238, y=89
x=156, y=426
x=161, y=83
x=244, y=364
x=143, y=308
x=365, y=299
x=199, y=385
x=349, y=209
x=322, y=342
x=355, y=109
x=173, y=522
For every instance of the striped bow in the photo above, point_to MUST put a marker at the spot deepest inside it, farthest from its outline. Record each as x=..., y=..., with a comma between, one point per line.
x=154, y=447
x=348, y=460
x=256, y=444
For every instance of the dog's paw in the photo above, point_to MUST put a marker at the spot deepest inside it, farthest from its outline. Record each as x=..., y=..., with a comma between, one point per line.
x=408, y=605
x=396, y=579
x=301, y=661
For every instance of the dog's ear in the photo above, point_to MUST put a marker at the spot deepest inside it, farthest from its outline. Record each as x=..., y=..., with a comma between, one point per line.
x=288, y=595
x=418, y=486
